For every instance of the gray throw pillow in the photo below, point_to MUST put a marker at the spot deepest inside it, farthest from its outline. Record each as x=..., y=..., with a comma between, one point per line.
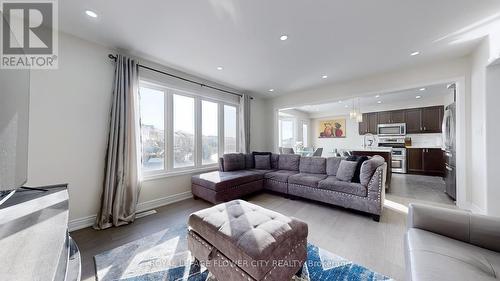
x=234, y=161
x=262, y=162
x=346, y=170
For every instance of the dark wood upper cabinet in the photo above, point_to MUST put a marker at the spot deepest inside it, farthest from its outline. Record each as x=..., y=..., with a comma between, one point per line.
x=372, y=122
x=418, y=120
x=413, y=120
x=398, y=116
x=369, y=123
x=363, y=126
x=432, y=118
x=384, y=117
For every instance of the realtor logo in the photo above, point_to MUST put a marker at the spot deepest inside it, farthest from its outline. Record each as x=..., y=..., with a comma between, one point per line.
x=29, y=36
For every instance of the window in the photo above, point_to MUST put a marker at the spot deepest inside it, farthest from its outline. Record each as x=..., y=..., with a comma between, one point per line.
x=305, y=134
x=230, y=129
x=286, y=132
x=209, y=142
x=182, y=131
x=152, y=129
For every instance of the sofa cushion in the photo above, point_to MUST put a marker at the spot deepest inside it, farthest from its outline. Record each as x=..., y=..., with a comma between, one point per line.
x=359, y=161
x=262, y=162
x=221, y=180
x=280, y=175
x=275, y=161
x=312, y=165
x=306, y=179
x=346, y=170
x=234, y=162
x=262, y=172
x=369, y=167
x=332, y=183
x=289, y=162
x=332, y=165
x=428, y=254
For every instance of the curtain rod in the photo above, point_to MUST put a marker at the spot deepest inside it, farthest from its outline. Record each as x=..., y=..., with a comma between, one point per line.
x=113, y=57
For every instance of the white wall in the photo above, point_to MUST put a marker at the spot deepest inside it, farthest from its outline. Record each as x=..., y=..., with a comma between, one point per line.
x=69, y=119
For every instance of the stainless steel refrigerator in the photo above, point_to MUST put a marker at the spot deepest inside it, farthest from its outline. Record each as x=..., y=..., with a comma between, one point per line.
x=449, y=148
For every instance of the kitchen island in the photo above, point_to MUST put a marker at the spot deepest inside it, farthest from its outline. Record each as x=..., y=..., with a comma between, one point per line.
x=385, y=152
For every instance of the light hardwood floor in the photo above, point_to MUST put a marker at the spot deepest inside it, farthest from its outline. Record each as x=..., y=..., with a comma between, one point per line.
x=352, y=235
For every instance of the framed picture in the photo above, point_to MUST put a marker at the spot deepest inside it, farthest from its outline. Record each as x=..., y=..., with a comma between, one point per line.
x=332, y=128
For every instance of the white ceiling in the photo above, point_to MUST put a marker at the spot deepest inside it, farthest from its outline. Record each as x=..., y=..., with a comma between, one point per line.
x=430, y=95
x=340, y=38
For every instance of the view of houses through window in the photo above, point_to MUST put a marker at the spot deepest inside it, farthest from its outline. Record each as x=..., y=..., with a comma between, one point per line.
x=182, y=139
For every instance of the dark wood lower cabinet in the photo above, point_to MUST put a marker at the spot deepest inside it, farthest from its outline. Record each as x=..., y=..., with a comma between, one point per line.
x=426, y=161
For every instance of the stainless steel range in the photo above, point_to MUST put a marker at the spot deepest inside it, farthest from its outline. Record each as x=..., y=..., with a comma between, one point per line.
x=398, y=152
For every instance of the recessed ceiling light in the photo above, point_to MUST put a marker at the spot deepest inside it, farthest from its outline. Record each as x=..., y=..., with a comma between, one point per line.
x=271, y=90
x=377, y=96
x=422, y=89
x=346, y=106
x=415, y=53
x=340, y=101
x=91, y=14
x=324, y=76
x=220, y=68
x=283, y=37
x=417, y=97
x=379, y=101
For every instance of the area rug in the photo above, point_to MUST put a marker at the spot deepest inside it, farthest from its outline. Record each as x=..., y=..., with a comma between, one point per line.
x=165, y=256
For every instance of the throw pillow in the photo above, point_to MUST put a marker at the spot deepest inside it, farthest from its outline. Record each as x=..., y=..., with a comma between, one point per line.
x=346, y=170
x=262, y=162
x=234, y=161
x=359, y=162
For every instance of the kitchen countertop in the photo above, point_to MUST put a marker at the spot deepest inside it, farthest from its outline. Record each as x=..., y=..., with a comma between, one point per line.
x=377, y=149
x=424, y=146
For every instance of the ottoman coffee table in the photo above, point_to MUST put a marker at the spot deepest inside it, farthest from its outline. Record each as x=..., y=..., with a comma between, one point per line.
x=238, y=240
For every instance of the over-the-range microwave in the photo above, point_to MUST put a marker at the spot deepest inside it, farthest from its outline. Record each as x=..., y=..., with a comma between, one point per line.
x=396, y=129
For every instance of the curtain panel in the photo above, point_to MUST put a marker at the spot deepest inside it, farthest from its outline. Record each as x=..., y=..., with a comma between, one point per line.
x=121, y=184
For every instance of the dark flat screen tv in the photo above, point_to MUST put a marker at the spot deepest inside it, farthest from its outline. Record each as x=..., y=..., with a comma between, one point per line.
x=14, y=120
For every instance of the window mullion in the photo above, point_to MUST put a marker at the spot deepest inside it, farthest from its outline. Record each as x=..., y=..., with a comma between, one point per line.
x=221, y=129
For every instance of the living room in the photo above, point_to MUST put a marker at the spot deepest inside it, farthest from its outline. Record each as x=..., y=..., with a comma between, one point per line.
x=132, y=120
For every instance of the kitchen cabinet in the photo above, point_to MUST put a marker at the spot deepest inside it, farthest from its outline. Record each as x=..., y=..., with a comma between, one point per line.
x=418, y=120
x=369, y=124
x=425, y=161
x=432, y=118
x=413, y=121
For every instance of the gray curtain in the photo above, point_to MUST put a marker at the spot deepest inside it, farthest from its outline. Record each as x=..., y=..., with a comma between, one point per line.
x=244, y=124
x=122, y=168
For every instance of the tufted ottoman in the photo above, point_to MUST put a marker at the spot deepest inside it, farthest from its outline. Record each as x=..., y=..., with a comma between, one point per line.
x=238, y=240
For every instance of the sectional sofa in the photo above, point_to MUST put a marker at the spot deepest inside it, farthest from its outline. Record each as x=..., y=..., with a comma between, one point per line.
x=313, y=178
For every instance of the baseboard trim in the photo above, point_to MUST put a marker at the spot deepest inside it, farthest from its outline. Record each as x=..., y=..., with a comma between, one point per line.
x=141, y=207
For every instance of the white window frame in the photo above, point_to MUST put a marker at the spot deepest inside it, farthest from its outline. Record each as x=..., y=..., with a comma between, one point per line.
x=169, y=169
x=294, y=126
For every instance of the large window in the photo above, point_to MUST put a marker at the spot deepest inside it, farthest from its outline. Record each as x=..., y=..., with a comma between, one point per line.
x=230, y=128
x=184, y=131
x=305, y=134
x=287, y=132
x=152, y=129
x=210, y=141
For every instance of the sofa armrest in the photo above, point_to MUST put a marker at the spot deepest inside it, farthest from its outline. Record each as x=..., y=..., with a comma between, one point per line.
x=479, y=230
x=376, y=185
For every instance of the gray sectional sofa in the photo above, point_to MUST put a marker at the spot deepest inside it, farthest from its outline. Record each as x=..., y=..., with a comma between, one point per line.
x=313, y=178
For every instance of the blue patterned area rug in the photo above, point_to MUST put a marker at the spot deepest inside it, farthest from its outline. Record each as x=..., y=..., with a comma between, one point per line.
x=165, y=256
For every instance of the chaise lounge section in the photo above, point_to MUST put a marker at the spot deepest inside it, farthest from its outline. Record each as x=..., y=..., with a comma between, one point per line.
x=313, y=178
